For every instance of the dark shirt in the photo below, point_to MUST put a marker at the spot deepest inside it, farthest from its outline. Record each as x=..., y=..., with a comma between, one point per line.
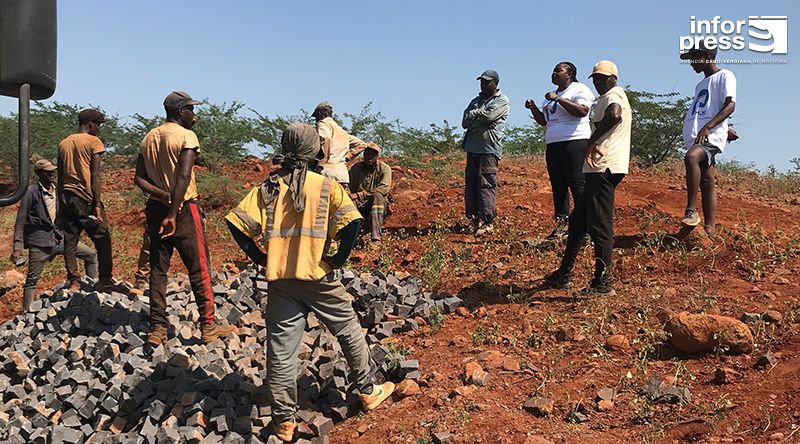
x=34, y=227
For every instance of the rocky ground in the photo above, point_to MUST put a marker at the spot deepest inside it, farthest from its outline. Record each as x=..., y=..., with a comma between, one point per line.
x=700, y=344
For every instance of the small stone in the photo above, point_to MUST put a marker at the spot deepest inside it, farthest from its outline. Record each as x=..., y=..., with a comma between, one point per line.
x=766, y=360
x=772, y=316
x=406, y=388
x=725, y=375
x=606, y=394
x=618, y=343
x=443, y=438
x=605, y=406
x=470, y=368
x=462, y=311
x=539, y=406
x=777, y=436
x=118, y=425
x=464, y=390
x=534, y=439
x=510, y=364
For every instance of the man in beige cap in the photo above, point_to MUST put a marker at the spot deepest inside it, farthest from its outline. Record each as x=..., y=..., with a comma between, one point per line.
x=338, y=147
x=370, y=185
x=35, y=229
x=79, y=192
x=164, y=171
x=607, y=157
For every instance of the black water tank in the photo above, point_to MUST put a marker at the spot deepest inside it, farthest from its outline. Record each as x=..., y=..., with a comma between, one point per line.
x=28, y=47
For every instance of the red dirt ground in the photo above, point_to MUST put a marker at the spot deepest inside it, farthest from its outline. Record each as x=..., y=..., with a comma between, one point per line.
x=752, y=266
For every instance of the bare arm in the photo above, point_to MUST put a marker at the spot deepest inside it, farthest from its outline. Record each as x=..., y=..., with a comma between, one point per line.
x=724, y=113
x=611, y=117
x=142, y=180
x=183, y=174
x=538, y=115
x=97, y=184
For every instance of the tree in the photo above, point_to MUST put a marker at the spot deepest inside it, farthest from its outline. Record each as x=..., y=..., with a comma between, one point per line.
x=267, y=131
x=224, y=134
x=524, y=140
x=657, y=132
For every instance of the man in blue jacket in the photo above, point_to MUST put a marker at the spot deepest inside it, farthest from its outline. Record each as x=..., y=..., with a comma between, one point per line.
x=485, y=123
x=34, y=229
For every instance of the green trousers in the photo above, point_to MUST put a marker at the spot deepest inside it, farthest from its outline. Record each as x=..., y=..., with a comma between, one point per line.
x=288, y=304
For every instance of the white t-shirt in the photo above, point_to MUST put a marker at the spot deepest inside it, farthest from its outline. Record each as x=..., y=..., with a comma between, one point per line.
x=709, y=98
x=561, y=125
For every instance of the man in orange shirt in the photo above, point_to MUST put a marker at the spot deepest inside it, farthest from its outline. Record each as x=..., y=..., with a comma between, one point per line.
x=79, y=191
x=174, y=218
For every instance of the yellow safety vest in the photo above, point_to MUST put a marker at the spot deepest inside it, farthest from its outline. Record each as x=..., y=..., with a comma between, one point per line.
x=295, y=242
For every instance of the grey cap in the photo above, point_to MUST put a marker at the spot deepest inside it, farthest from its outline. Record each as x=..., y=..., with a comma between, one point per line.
x=179, y=99
x=490, y=74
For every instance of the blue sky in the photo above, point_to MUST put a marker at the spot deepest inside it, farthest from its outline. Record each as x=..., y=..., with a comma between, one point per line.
x=415, y=60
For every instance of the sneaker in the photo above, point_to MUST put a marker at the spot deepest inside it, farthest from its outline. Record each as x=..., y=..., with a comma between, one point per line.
x=476, y=224
x=285, y=430
x=691, y=218
x=596, y=289
x=210, y=332
x=558, y=279
x=378, y=395
x=484, y=230
x=157, y=336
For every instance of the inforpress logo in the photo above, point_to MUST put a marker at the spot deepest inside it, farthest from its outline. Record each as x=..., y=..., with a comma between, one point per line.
x=762, y=34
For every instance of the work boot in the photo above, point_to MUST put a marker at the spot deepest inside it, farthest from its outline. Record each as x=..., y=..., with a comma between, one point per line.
x=285, y=430
x=210, y=332
x=596, y=288
x=484, y=230
x=558, y=279
x=157, y=336
x=378, y=395
x=691, y=218
x=476, y=224
x=106, y=285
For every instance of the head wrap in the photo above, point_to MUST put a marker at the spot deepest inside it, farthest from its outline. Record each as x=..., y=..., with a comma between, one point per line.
x=299, y=146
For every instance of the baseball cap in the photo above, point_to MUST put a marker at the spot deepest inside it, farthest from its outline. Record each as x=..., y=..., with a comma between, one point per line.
x=373, y=146
x=701, y=48
x=90, y=115
x=179, y=99
x=606, y=68
x=489, y=74
x=44, y=165
x=323, y=105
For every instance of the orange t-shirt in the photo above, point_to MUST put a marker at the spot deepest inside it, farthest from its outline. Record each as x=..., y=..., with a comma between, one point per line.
x=161, y=149
x=75, y=159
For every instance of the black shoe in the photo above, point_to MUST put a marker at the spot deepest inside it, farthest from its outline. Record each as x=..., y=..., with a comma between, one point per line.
x=559, y=232
x=558, y=279
x=596, y=288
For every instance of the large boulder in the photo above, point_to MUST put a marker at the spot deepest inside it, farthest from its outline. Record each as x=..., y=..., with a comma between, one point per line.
x=699, y=333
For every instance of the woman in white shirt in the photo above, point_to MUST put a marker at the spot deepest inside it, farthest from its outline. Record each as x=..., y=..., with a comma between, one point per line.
x=565, y=113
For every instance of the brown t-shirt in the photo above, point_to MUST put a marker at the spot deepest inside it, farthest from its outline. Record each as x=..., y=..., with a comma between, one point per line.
x=161, y=149
x=75, y=159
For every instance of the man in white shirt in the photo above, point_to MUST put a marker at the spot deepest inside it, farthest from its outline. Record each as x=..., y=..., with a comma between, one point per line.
x=705, y=132
x=607, y=156
x=338, y=147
